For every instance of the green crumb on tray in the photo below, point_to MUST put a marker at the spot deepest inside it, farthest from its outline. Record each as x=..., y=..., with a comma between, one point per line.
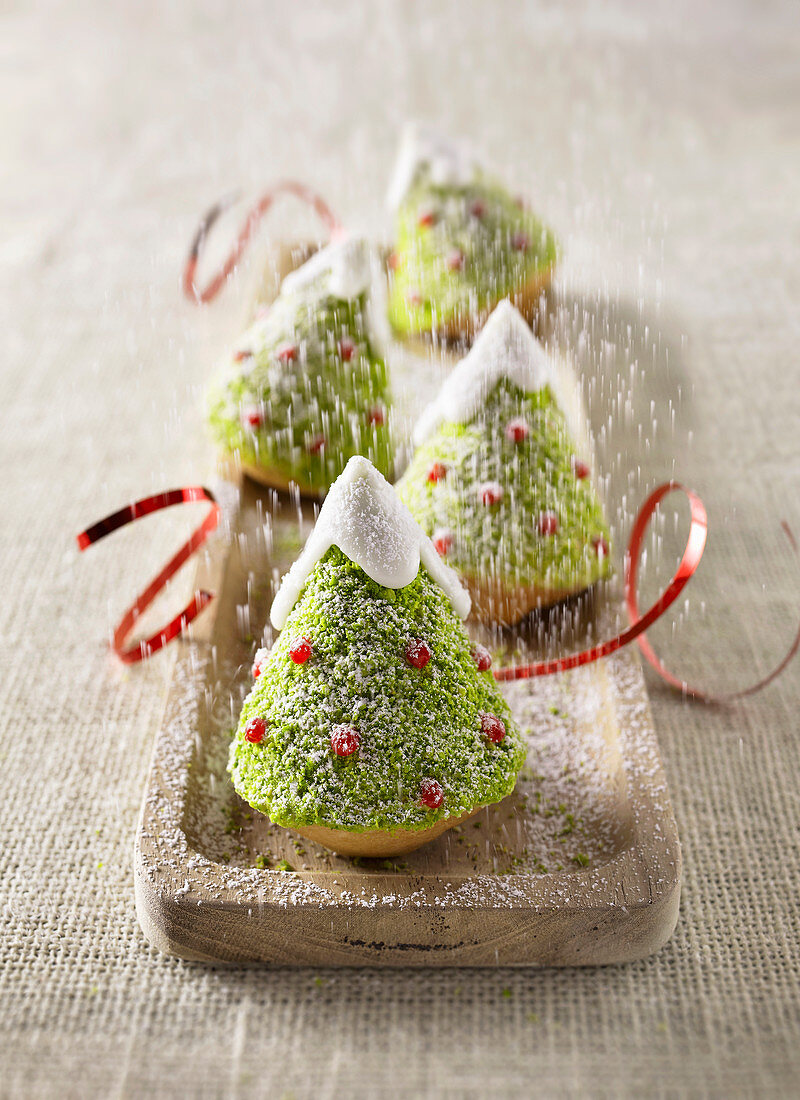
x=581, y=859
x=283, y=865
x=262, y=862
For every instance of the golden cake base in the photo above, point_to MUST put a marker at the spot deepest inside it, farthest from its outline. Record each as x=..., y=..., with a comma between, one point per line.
x=495, y=602
x=378, y=842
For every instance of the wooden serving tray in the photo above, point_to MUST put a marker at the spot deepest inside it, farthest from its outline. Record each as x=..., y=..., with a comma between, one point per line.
x=580, y=865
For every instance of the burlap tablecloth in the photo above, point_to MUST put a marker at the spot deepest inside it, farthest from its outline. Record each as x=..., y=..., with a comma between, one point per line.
x=664, y=145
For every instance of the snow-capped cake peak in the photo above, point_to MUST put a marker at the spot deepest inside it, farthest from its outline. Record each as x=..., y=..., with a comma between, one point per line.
x=365, y=518
x=450, y=163
x=505, y=348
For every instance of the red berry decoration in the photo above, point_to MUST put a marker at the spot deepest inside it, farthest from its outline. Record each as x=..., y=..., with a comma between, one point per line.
x=345, y=740
x=259, y=661
x=252, y=417
x=455, y=260
x=245, y=353
x=377, y=416
x=346, y=349
x=482, y=658
x=477, y=208
x=517, y=430
x=300, y=650
x=580, y=469
x=443, y=543
x=394, y=261
x=414, y=298
x=437, y=472
x=418, y=653
x=492, y=728
x=426, y=219
x=316, y=445
x=548, y=523
x=431, y=793
x=491, y=492
x=600, y=546
x=287, y=353
x=254, y=730
x=520, y=242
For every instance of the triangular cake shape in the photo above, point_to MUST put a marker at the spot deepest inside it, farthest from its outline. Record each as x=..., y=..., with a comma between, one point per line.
x=498, y=480
x=373, y=724
x=305, y=386
x=462, y=242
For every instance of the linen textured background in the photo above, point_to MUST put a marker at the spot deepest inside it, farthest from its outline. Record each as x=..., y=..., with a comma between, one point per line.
x=663, y=142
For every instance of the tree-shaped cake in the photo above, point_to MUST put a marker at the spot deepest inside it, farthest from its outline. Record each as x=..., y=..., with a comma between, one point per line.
x=462, y=242
x=373, y=724
x=305, y=387
x=498, y=480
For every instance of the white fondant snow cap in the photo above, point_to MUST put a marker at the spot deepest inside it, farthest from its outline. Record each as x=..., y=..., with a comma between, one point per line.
x=450, y=163
x=343, y=269
x=505, y=348
x=366, y=519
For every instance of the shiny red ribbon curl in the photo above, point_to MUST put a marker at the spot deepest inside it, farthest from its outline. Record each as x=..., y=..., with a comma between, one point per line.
x=129, y=514
x=693, y=552
x=283, y=187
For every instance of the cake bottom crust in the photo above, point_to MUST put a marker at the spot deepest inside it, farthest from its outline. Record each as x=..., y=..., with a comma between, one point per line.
x=380, y=842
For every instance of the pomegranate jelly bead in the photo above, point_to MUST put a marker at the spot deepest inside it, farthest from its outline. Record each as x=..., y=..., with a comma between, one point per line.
x=426, y=218
x=482, y=658
x=437, y=472
x=376, y=417
x=431, y=793
x=254, y=730
x=346, y=349
x=259, y=661
x=394, y=261
x=517, y=430
x=492, y=728
x=443, y=542
x=287, y=353
x=520, y=242
x=477, y=208
x=455, y=260
x=547, y=524
x=252, y=417
x=418, y=653
x=345, y=740
x=580, y=469
x=316, y=445
x=300, y=650
x=491, y=492
x=600, y=546
x=244, y=353
x=414, y=298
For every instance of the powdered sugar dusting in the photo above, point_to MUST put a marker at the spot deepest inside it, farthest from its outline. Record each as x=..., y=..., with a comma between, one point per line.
x=364, y=517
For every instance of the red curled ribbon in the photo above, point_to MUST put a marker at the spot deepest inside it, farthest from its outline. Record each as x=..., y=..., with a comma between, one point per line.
x=201, y=599
x=687, y=567
x=256, y=213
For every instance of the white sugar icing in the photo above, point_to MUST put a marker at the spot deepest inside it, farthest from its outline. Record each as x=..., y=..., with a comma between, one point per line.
x=505, y=348
x=342, y=269
x=450, y=163
x=365, y=518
